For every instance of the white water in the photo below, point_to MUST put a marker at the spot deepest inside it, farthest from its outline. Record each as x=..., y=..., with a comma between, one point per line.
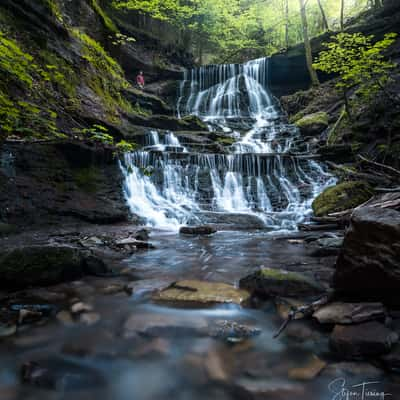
x=169, y=186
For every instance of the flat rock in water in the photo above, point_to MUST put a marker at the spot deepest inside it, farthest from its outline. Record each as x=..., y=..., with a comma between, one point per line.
x=277, y=282
x=368, y=339
x=197, y=230
x=349, y=313
x=164, y=325
x=201, y=292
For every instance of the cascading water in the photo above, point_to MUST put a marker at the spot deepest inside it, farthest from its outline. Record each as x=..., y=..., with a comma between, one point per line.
x=169, y=185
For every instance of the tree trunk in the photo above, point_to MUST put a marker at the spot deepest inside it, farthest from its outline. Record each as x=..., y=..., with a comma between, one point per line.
x=324, y=19
x=342, y=15
x=307, y=44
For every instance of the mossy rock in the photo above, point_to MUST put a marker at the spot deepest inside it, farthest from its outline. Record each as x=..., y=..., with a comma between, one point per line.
x=202, y=293
x=313, y=124
x=278, y=282
x=26, y=266
x=342, y=197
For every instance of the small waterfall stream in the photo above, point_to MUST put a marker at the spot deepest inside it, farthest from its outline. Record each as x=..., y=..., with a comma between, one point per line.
x=260, y=176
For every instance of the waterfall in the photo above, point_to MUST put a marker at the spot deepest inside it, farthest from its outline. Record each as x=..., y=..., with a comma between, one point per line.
x=169, y=185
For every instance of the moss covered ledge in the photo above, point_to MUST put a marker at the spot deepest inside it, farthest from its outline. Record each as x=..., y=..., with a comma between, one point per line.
x=342, y=197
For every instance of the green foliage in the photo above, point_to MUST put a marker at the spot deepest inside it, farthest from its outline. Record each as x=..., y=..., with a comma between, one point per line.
x=358, y=62
x=18, y=69
x=55, y=10
x=97, y=133
x=125, y=147
x=233, y=30
x=119, y=39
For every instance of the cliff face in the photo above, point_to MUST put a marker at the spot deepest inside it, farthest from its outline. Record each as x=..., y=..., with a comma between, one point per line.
x=66, y=69
x=67, y=65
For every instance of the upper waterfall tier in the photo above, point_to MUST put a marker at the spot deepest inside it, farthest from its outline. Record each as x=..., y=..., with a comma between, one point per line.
x=228, y=91
x=258, y=182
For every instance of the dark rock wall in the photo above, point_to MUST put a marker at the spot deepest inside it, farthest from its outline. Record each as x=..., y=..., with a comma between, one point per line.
x=42, y=182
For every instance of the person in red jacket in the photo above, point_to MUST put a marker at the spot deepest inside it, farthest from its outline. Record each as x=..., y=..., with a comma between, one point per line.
x=140, y=80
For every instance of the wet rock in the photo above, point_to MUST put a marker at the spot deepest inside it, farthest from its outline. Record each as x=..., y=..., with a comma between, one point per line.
x=360, y=369
x=164, y=325
x=28, y=316
x=42, y=265
x=349, y=313
x=112, y=289
x=65, y=318
x=338, y=153
x=7, y=229
x=81, y=307
x=331, y=242
x=278, y=282
x=216, y=367
x=7, y=330
x=232, y=331
x=301, y=331
x=391, y=361
x=155, y=348
x=202, y=293
x=60, y=376
x=341, y=197
x=89, y=318
x=197, y=230
x=142, y=234
x=284, y=305
x=313, y=124
x=309, y=371
x=368, y=339
x=129, y=243
x=369, y=265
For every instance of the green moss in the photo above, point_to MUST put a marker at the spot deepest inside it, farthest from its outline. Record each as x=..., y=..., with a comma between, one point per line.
x=86, y=179
x=55, y=9
x=104, y=76
x=342, y=197
x=280, y=275
x=108, y=23
x=226, y=140
x=319, y=118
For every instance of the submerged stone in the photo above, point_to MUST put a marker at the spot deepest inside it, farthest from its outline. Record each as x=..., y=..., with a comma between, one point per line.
x=201, y=292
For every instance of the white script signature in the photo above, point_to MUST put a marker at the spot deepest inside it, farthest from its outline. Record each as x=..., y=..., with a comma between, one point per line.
x=359, y=391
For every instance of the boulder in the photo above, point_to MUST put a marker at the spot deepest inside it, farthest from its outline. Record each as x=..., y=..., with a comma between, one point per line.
x=203, y=293
x=369, y=339
x=368, y=264
x=313, y=124
x=349, y=313
x=45, y=265
x=197, y=230
x=277, y=282
x=341, y=197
